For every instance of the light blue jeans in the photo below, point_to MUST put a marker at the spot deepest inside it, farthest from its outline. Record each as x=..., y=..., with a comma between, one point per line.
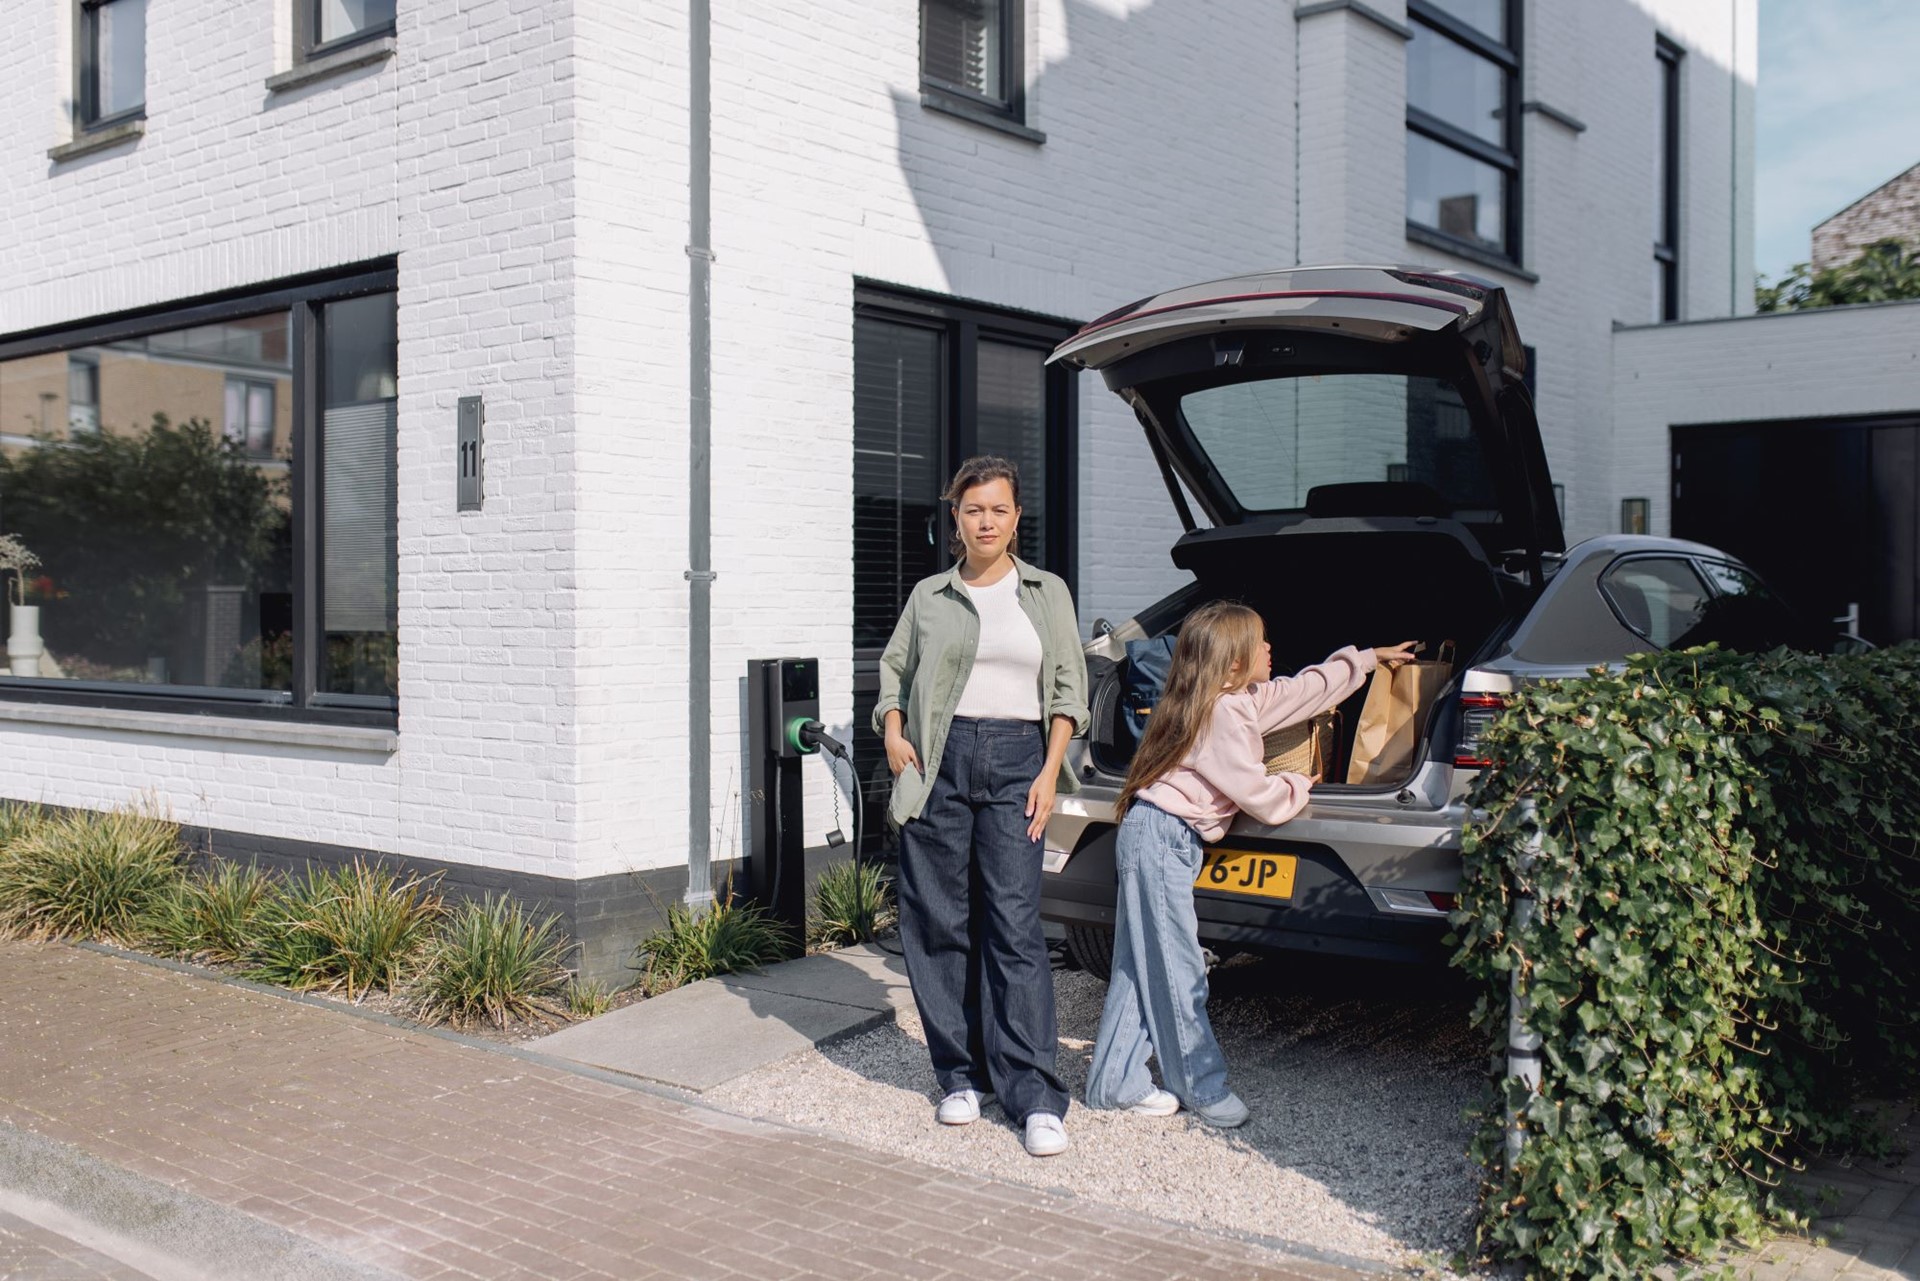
x=1157, y=998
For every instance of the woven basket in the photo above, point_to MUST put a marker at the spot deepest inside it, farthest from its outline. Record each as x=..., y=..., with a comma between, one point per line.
x=1306, y=748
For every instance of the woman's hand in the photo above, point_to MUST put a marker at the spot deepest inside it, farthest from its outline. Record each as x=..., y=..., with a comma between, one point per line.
x=1040, y=803
x=1398, y=655
x=900, y=754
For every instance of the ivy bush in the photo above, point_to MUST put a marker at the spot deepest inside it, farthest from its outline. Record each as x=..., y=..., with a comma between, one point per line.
x=1725, y=854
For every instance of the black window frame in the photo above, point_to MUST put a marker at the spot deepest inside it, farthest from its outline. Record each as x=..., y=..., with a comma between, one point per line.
x=1011, y=53
x=1708, y=591
x=1508, y=159
x=963, y=325
x=1666, y=250
x=302, y=298
x=86, y=62
x=306, y=32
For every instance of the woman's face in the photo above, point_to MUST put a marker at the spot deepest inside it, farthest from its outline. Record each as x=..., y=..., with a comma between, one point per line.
x=987, y=517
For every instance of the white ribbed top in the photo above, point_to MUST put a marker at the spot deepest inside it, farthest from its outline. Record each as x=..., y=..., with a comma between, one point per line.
x=1005, y=681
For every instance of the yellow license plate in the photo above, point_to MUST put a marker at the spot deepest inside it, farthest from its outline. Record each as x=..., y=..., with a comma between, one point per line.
x=1258, y=873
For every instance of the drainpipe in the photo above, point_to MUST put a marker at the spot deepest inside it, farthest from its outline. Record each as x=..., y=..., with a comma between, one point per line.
x=699, y=573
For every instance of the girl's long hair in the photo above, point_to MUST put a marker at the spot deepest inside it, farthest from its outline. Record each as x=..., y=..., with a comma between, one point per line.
x=1212, y=640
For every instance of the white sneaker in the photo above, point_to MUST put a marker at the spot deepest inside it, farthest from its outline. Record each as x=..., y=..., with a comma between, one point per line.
x=1159, y=1103
x=1046, y=1136
x=962, y=1107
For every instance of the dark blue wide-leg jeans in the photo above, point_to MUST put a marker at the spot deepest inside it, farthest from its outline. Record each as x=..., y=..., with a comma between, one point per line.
x=970, y=921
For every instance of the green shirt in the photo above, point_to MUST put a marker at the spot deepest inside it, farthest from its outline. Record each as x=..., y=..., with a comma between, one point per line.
x=926, y=665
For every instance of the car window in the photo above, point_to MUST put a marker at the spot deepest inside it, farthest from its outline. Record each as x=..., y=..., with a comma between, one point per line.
x=1275, y=441
x=1661, y=598
x=1744, y=614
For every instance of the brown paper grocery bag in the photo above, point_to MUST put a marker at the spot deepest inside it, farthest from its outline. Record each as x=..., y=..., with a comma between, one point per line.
x=1388, y=732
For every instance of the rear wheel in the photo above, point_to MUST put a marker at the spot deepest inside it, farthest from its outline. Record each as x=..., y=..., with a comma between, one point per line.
x=1091, y=949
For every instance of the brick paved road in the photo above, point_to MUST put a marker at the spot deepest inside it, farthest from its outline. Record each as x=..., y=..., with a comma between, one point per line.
x=435, y=1159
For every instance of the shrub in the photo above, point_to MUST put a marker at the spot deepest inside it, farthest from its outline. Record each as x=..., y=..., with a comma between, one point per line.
x=354, y=927
x=852, y=903
x=84, y=874
x=1726, y=866
x=17, y=818
x=216, y=917
x=727, y=937
x=490, y=961
x=587, y=1000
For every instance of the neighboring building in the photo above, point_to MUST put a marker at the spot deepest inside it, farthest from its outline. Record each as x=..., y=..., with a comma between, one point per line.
x=318, y=227
x=1890, y=211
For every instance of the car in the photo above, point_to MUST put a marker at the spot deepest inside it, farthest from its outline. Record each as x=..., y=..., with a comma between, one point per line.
x=1362, y=445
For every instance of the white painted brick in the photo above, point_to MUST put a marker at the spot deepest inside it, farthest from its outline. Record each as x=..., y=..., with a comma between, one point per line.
x=528, y=166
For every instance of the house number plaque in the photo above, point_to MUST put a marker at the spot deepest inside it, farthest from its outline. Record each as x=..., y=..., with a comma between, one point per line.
x=470, y=488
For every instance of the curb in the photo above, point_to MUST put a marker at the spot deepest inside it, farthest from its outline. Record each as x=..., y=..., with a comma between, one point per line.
x=157, y=1230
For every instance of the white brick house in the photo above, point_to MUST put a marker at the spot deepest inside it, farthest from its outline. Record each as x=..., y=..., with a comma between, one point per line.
x=521, y=180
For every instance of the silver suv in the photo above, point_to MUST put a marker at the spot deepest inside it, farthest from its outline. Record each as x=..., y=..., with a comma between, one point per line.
x=1361, y=443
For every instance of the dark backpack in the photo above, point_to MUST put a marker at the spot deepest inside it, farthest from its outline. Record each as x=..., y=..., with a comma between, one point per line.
x=1148, y=662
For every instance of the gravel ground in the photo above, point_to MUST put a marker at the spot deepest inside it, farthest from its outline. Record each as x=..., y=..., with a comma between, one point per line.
x=1357, y=1077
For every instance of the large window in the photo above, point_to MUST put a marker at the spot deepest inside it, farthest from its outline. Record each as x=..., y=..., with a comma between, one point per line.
x=326, y=25
x=936, y=382
x=970, y=52
x=1666, y=209
x=1463, y=141
x=113, y=60
x=210, y=494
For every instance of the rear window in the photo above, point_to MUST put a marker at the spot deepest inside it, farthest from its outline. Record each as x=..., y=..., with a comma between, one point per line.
x=1275, y=441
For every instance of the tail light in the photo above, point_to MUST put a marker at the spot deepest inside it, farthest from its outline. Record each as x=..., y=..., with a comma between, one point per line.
x=1477, y=712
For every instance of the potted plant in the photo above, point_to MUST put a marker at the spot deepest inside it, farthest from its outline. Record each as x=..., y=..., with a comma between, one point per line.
x=23, y=620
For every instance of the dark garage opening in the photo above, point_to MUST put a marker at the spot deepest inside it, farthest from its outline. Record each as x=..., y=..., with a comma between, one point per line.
x=1824, y=509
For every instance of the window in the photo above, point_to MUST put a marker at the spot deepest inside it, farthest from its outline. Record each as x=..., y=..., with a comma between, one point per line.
x=250, y=421
x=1463, y=162
x=1658, y=598
x=1745, y=615
x=326, y=25
x=970, y=51
x=113, y=61
x=202, y=536
x=1666, y=210
x=936, y=382
x=83, y=394
x=1278, y=439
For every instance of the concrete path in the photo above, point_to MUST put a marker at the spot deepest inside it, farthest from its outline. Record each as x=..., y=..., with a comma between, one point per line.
x=708, y=1033
x=426, y=1157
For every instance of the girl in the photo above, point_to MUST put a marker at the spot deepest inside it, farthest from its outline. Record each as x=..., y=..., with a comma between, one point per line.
x=1200, y=763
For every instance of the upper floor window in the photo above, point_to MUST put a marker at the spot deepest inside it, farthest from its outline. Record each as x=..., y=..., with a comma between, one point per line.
x=1463, y=161
x=1666, y=210
x=329, y=24
x=970, y=49
x=113, y=60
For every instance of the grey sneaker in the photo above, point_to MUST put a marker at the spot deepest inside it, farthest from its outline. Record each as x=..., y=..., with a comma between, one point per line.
x=1159, y=1103
x=962, y=1107
x=1046, y=1136
x=1226, y=1114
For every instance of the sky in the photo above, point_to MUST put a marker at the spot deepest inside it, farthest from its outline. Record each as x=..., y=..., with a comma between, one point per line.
x=1838, y=113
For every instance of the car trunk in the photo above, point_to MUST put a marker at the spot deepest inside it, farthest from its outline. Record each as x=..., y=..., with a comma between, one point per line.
x=1363, y=448
x=1320, y=584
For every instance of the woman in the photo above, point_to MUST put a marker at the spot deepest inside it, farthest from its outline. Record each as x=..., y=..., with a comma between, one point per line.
x=981, y=686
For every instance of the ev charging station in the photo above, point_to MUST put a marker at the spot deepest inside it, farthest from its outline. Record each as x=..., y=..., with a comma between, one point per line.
x=783, y=717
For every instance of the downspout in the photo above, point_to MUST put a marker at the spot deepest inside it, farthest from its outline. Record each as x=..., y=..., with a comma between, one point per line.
x=699, y=573
x=1733, y=163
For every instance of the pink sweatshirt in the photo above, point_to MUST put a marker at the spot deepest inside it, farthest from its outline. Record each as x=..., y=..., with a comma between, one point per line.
x=1226, y=770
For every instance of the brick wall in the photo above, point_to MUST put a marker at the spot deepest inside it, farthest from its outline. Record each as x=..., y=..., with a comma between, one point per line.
x=1889, y=211
x=528, y=169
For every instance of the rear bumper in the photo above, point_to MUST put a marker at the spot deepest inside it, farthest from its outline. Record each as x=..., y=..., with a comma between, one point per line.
x=1330, y=911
